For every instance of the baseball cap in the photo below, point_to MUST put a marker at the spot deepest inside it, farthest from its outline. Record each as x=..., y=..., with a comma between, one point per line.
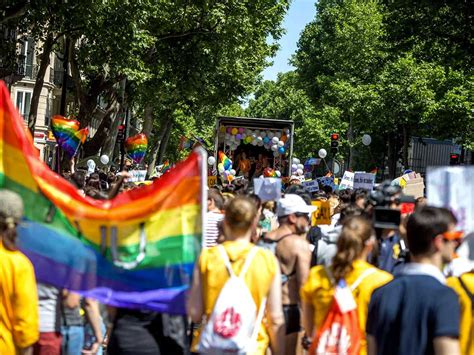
x=292, y=203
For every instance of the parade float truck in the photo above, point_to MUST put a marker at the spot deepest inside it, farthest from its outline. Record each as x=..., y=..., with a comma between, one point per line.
x=255, y=146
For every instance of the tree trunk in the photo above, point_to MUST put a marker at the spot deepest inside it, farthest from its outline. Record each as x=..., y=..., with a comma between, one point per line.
x=164, y=142
x=44, y=63
x=406, y=144
x=155, y=154
x=109, y=142
x=350, y=138
x=148, y=121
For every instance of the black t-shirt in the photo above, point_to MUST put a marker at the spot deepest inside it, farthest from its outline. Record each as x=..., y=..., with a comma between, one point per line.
x=406, y=315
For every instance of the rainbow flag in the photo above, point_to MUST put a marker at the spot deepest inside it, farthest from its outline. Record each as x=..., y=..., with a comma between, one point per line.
x=67, y=134
x=135, y=251
x=224, y=159
x=166, y=166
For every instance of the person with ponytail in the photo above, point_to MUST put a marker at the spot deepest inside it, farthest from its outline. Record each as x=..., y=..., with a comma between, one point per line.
x=356, y=241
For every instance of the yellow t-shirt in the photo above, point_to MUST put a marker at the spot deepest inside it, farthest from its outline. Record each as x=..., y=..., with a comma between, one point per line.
x=466, y=326
x=258, y=278
x=319, y=291
x=19, y=327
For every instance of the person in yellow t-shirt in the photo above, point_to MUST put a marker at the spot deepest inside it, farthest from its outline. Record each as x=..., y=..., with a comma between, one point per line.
x=464, y=287
x=262, y=277
x=356, y=241
x=19, y=324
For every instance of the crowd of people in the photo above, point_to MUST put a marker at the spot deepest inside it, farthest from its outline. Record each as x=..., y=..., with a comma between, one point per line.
x=267, y=280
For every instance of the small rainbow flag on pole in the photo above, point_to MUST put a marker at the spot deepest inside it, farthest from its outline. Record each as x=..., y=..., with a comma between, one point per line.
x=226, y=162
x=135, y=251
x=68, y=135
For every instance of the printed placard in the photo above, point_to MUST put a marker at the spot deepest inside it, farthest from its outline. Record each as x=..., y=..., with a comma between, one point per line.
x=347, y=181
x=137, y=175
x=311, y=185
x=211, y=181
x=364, y=181
x=268, y=189
x=453, y=187
x=322, y=215
x=327, y=181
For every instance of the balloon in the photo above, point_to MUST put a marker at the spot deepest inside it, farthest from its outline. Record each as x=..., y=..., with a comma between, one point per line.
x=227, y=136
x=299, y=172
x=366, y=139
x=275, y=140
x=294, y=166
x=243, y=135
x=229, y=130
x=222, y=129
x=104, y=159
x=278, y=134
x=274, y=147
x=263, y=134
x=287, y=131
x=276, y=154
x=136, y=147
x=238, y=136
x=220, y=168
x=234, y=131
x=254, y=142
x=281, y=144
x=211, y=161
x=281, y=150
x=322, y=153
x=277, y=173
x=268, y=172
x=300, y=166
x=266, y=146
x=266, y=140
x=241, y=130
x=270, y=134
x=91, y=164
x=257, y=132
x=260, y=144
x=254, y=136
x=296, y=161
x=232, y=172
x=259, y=139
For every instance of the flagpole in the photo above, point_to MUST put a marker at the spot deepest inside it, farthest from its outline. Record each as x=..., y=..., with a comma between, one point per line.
x=203, y=165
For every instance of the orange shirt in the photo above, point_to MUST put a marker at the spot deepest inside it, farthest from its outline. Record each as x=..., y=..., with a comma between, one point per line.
x=19, y=325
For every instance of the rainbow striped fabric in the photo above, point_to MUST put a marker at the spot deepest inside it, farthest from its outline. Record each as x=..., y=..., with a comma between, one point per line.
x=135, y=251
x=224, y=159
x=67, y=134
x=136, y=147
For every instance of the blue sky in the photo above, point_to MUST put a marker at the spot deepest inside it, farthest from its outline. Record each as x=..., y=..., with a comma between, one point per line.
x=300, y=13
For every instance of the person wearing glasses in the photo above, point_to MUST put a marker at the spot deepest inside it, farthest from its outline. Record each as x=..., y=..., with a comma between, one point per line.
x=19, y=323
x=288, y=243
x=417, y=313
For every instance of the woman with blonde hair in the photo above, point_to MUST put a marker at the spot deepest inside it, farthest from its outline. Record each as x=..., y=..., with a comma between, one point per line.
x=262, y=277
x=356, y=241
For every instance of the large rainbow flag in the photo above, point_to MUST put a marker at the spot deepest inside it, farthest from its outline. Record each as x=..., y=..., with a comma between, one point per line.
x=135, y=251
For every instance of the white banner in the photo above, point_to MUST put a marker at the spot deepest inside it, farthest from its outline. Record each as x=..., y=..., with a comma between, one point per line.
x=453, y=187
x=311, y=185
x=268, y=189
x=136, y=175
x=347, y=181
x=364, y=181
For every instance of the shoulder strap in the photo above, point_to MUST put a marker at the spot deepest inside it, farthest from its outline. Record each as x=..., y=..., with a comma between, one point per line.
x=469, y=294
x=248, y=260
x=225, y=257
x=283, y=237
x=361, y=278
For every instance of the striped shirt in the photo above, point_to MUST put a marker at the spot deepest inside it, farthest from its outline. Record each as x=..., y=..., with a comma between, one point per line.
x=211, y=230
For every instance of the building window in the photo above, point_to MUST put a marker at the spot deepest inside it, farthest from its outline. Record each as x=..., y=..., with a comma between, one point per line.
x=27, y=53
x=23, y=102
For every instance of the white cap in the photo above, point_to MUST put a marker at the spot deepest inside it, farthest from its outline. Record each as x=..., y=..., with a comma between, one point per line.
x=292, y=203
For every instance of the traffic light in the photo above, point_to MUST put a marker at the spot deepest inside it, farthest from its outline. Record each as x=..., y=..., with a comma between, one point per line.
x=334, y=143
x=454, y=159
x=121, y=133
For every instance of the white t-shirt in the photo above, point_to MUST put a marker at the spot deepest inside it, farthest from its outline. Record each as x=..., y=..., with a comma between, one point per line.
x=211, y=230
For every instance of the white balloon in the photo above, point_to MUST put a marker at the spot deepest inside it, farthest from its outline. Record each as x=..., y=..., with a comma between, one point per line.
x=281, y=144
x=211, y=161
x=259, y=139
x=263, y=134
x=274, y=147
x=244, y=135
x=257, y=132
x=260, y=143
x=366, y=139
x=296, y=161
x=270, y=134
x=227, y=136
x=221, y=169
x=287, y=131
x=278, y=134
x=294, y=167
x=104, y=159
x=90, y=164
x=322, y=153
x=254, y=136
x=232, y=172
x=254, y=142
x=299, y=172
x=267, y=146
x=300, y=166
x=277, y=173
x=248, y=132
x=275, y=140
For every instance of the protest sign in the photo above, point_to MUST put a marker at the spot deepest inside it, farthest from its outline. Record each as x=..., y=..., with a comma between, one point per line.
x=137, y=175
x=347, y=181
x=327, y=181
x=268, y=189
x=311, y=185
x=414, y=187
x=453, y=187
x=322, y=215
x=211, y=181
x=364, y=181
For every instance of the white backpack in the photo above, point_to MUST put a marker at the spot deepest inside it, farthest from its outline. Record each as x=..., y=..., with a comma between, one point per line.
x=234, y=323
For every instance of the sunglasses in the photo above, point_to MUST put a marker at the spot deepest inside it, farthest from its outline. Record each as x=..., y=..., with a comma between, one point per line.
x=305, y=215
x=452, y=236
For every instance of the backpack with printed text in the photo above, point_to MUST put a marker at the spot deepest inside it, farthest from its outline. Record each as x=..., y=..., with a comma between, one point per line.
x=340, y=333
x=233, y=325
